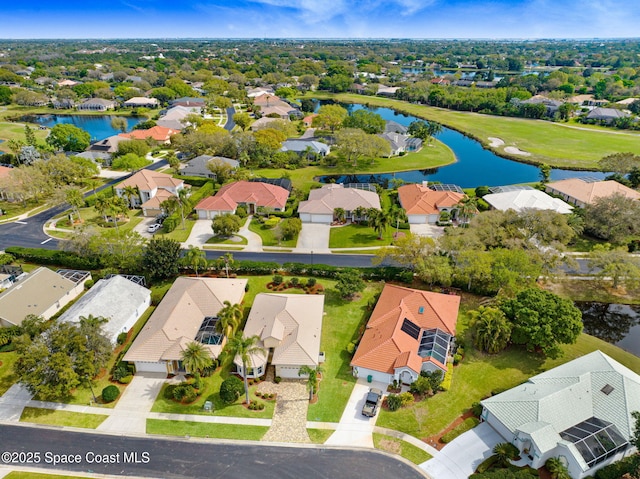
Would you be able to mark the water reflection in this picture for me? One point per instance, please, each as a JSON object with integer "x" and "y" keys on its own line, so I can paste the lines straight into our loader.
{"x": 618, "y": 324}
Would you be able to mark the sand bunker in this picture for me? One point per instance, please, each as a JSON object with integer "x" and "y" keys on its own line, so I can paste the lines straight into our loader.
{"x": 495, "y": 142}
{"x": 516, "y": 151}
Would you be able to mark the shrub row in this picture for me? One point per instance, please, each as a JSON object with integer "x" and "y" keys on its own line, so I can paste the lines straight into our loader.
{"x": 7, "y": 334}
{"x": 194, "y": 180}
{"x": 53, "y": 257}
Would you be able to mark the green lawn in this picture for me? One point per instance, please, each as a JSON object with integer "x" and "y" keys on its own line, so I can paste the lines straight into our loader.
{"x": 178, "y": 234}
{"x": 268, "y": 235}
{"x": 319, "y": 436}
{"x": 61, "y": 418}
{"x": 340, "y": 326}
{"x": 15, "y": 131}
{"x": 7, "y": 376}
{"x": 433, "y": 156}
{"x": 557, "y": 144}
{"x": 400, "y": 447}
{"x": 36, "y": 475}
{"x": 234, "y": 240}
{"x": 356, "y": 236}
{"x": 478, "y": 374}
{"x": 203, "y": 429}
{"x": 90, "y": 217}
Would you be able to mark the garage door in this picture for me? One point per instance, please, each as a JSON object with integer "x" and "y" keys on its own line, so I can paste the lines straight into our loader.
{"x": 287, "y": 371}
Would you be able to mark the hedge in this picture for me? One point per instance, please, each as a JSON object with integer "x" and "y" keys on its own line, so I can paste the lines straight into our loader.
{"x": 54, "y": 257}
{"x": 194, "y": 180}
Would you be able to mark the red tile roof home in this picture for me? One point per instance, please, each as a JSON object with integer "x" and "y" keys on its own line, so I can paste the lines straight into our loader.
{"x": 385, "y": 346}
{"x": 157, "y": 133}
{"x": 245, "y": 192}
{"x": 421, "y": 200}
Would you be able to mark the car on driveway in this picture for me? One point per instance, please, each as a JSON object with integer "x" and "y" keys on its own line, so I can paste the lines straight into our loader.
{"x": 154, "y": 227}
{"x": 372, "y": 402}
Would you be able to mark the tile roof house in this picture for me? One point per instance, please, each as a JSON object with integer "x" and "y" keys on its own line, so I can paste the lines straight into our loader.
{"x": 97, "y": 104}
{"x": 174, "y": 117}
{"x": 132, "y": 301}
{"x": 141, "y": 102}
{"x": 401, "y": 143}
{"x": 551, "y": 105}
{"x": 579, "y": 192}
{"x": 198, "y": 166}
{"x": 323, "y": 201}
{"x": 43, "y": 293}
{"x": 302, "y": 147}
{"x": 252, "y": 195}
{"x": 263, "y": 123}
{"x": 157, "y": 133}
{"x": 424, "y": 205}
{"x": 606, "y": 115}
{"x": 187, "y": 313}
{"x": 189, "y": 102}
{"x": 108, "y": 145}
{"x": 153, "y": 188}
{"x": 5, "y": 173}
{"x": 409, "y": 331}
{"x": 395, "y": 127}
{"x": 289, "y": 327}
{"x": 579, "y": 411}
{"x": 526, "y": 199}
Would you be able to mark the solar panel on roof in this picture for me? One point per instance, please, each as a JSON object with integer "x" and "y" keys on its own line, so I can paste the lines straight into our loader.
{"x": 445, "y": 187}
{"x": 410, "y": 328}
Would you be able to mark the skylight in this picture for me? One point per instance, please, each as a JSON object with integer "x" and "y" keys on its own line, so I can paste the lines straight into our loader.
{"x": 607, "y": 389}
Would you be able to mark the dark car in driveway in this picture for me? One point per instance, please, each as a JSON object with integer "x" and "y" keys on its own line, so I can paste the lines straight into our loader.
{"x": 372, "y": 402}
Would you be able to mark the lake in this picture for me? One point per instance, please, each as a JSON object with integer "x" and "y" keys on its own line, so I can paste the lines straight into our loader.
{"x": 475, "y": 166}
{"x": 617, "y": 324}
{"x": 98, "y": 126}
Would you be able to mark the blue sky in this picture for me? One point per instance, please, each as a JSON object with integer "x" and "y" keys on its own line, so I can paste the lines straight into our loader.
{"x": 320, "y": 19}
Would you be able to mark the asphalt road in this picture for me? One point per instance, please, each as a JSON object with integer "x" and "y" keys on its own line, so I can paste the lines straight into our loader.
{"x": 188, "y": 459}
{"x": 230, "y": 123}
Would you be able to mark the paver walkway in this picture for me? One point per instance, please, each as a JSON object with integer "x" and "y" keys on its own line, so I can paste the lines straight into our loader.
{"x": 129, "y": 415}
{"x": 289, "y": 423}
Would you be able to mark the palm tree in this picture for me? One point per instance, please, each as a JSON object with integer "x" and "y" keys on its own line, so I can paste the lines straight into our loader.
{"x": 312, "y": 381}
{"x": 360, "y": 212}
{"x": 131, "y": 194}
{"x": 102, "y": 206}
{"x": 433, "y": 129}
{"x": 378, "y": 220}
{"x": 504, "y": 451}
{"x": 229, "y": 318}
{"x": 556, "y": 468}
{"x": 183, "y": 195}
{"x": 467, "y": 207}
{"x": 491, "y": 329}
{"x": 245, "y": 347}
{"x": 339, "y": 214}
{"x": 117, "y": 206}
{"x": 195, "y": 259}
{"x": 196, "y": 358}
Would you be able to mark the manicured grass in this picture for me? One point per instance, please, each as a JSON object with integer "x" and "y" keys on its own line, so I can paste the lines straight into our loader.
{"x": 211, "y": 392}
{"x": 7, "y": 376}
{"x": 203, "y": 429}
{"x": 226, "y": 240}
{"x": 478, "y": 374}
{"x": 90, "y": 217}
{"x": 36, "y": 475}
{"x": 319, "y": 436}
{"x": 355, "y": 251}
{"x": 342, "y": 321}
{"x": 61, "y": 418}
{"x": 358, "y": 235}
{"x": 433, "y": 156}
{"x": 400, "y": 447}
{"x": 268, "y": 235}
{"x": 178, "y": 234}
{"x": 223, "y": 247}
{"x": 15, "y": 131}
{"x": 10, "y": 209}
{"x": 553, "y": 143}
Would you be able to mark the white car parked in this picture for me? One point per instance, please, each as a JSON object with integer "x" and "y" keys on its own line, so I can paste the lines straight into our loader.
{"x": 154, "y": 227}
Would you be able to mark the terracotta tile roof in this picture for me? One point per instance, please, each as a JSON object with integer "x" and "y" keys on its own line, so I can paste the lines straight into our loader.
{"x": 420, "y": 200}
{"x": 587, "y": 193}
{"x": 178, "y": 317}
{"x": 384, "y": 346}
{"x": 161, "y": 195}
{"x": 148, "y": 180}
{"x": 4, "y": 171}
{"x": 260, "y": 194}
{"x": 157, "y": 133}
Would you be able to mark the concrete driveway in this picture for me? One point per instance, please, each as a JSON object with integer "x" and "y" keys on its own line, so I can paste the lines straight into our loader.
{"x": 355, "y": 429}
{"x": 313, "y": 237}
{"x": 432, "y": 231}
{"x": 130, "y": 414}
{"x": 460, "y": 458}
{"x": 143, "y": 225}
{"x": 200, "y": 233}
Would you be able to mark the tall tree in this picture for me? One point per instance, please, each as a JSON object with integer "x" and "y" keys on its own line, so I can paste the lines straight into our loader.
{"x": 612, "y": 218}
{"x": 132, "y": 195}
{"x": 195, "y": 258}
{"x": 245, "y": 347}
{"x": 161, "y": 258}
{"x": 74, "y": 197}
{"x": 349, "y": 283}
{"x": 615, "y": 264}
{"x": 491, "y": 329}
{"x": 68, "y": 137}
{"x": 366, "y": 120}
{"x": 330, "y": 117}
{"x": 229, "y": 319}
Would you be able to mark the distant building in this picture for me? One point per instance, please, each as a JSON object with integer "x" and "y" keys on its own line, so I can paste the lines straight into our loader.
{"x": 199, "y": 166}
{"x": 97, "y": 104}
{"x": 579, "y": 192}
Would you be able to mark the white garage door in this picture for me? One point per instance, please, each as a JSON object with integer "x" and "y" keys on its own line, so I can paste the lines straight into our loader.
{"x": 290, "y": 372}
{"x": 146, "y": 367}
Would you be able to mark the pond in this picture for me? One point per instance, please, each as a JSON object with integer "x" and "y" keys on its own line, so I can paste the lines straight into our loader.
{"x": 98, "y": 126}
{"x": 475, "y": 166}
{"x": 617, "y": 324}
